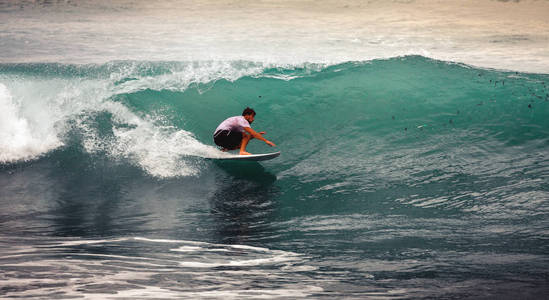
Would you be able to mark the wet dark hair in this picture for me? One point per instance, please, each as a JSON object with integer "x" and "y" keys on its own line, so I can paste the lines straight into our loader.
{"x": 248, "y": 111}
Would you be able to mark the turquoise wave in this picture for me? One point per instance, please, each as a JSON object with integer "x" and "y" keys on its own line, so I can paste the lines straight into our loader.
{"x": 397, "y": 169}
{"x": 361, "y": 112}
{"x": 384, "y": 114}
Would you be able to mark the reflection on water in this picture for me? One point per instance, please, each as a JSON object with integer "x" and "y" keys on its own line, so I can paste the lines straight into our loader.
{"x": 83, "y": 196}
{"x": 243, "y": 204}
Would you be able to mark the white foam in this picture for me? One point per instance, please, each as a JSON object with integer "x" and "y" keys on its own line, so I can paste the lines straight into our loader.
{"x": 237, "y": 263}
{"x": 189, "y": 249}
{"x": 268, "y": 257}
{"x": 159, "y": 150}
{"x": 115, "y": 275}
{"x": 182, "y": 74}
{"x": 250, "y": 248}
{"x": 218, "y": 293}
{"x": 88, "y": 242}
{"x": 36, "y": 112}
{"x": 163, "y": 240}
{"x": 19, "y": 138}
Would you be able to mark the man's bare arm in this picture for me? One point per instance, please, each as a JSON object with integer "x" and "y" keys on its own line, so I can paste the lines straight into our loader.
{"x": 258, "y": 136}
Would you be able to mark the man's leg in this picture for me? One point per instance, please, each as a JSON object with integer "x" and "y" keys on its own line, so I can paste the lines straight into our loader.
{"x": 245, "y": 140}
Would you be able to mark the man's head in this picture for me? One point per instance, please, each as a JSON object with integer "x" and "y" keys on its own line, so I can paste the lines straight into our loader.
{"x": 249, "y": 114}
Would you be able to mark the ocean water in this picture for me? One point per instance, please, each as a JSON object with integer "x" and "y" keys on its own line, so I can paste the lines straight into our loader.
{"x": 404, "y": 173}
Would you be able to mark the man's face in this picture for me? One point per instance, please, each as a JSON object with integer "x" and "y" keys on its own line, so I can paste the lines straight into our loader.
{"x": 249, "y": 118}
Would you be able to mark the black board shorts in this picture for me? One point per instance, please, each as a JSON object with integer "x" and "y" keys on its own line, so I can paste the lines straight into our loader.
{"x": 228, "y": 139}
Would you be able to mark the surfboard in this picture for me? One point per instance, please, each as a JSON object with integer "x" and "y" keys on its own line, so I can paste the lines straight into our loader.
{"x": 251, "y": 157}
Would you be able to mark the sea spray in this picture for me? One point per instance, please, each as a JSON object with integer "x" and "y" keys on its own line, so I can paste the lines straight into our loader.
{"x": 19, "y": 138}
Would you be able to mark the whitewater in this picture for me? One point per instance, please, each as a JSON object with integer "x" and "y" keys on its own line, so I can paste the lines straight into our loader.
{"x": 414, "y": 139}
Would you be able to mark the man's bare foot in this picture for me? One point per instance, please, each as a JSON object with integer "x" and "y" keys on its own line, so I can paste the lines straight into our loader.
{"x": 245, "y": 153}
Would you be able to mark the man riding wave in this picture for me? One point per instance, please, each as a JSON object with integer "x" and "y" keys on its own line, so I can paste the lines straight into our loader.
{"x": 236, "y": 132}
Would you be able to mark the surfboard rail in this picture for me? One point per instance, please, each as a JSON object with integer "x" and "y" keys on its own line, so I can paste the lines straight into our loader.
{"x": 251, "y": 157}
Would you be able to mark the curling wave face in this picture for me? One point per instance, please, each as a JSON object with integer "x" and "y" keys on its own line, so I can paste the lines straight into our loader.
{"x": 159, "y": 116}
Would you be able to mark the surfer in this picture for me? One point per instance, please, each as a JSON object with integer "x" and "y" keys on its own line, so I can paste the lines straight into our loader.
{"x": 236, "y": 132}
